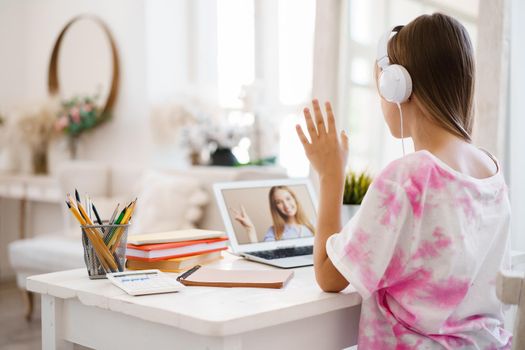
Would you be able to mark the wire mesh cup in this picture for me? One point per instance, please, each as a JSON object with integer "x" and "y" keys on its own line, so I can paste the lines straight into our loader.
{"x": 104, "y": 248}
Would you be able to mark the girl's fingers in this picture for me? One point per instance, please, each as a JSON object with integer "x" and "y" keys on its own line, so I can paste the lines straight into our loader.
{"x": 344, "y": 140}
{"x": 330, "y": 117}
{"x": 301, "y": 135}
{"x": 319, "y": 121}
{"x": 310, "y": 124}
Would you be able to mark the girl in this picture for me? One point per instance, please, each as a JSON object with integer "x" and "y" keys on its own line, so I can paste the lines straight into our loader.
{"x": 425, "y": 247}
{"x": 288, "y": 217}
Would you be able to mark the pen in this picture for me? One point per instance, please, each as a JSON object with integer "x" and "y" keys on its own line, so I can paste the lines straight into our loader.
{"x": 96, "y": 213}
{"x": 189, "y": 272}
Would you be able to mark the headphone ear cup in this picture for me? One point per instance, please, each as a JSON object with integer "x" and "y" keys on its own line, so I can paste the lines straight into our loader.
{"x": 395, "y": 84}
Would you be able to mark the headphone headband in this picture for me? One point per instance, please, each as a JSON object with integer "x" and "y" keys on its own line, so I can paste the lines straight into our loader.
{"x": 382, "y": 47}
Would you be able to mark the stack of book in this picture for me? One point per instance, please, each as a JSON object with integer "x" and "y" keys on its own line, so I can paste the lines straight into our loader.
{"x": 174, "y": 251}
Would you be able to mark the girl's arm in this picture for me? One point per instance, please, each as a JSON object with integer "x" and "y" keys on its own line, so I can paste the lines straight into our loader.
{"x": 327, "y": 154}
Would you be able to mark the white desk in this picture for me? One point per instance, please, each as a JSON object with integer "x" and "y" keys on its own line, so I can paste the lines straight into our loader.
{"x": 96, "y": 314}
{"x": 28, "y": 188}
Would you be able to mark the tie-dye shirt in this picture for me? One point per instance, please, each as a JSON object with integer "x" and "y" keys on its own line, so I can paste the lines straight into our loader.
{"x": 423, "y": 251}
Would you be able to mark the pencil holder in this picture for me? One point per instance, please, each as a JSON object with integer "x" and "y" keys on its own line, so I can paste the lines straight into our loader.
{"x": 104, "y": 248}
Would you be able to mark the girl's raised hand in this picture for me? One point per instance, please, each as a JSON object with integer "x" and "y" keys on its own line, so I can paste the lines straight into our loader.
{"x": 326, "y": 151}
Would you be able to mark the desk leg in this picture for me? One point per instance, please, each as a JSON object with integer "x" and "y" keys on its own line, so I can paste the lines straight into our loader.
{"x": 22, "y": 233}
{"x": 52, "y": 324}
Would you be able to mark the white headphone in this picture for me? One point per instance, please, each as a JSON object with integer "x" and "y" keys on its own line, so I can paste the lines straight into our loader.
{"x": 395, "y": 83}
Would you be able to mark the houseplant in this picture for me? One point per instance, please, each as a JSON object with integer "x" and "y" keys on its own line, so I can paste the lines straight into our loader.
{"x": 355, "y": 188}
{"x": 78, "y": 115}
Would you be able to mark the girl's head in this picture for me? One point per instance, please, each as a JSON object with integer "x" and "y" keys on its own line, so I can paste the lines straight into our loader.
{"x": 437, "y": 52}
{"x": 284, "y": 207}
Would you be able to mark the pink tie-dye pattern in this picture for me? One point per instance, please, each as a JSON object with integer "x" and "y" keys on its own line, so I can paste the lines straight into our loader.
{"x": 446, "y": 293}
{"x": 442, "y": 241}
{"x": 432, "y": 249}
{"x": 468, "y": 208}
{"x": 357, "y": 253}
{"x": 392, "y": 208}
{"x": 355, "y": 249}
{"x": 395, "y": 269}
{"x": 401, "y": 286}
{"x": 374, "y": 333}
{"x": 426, "y": 175}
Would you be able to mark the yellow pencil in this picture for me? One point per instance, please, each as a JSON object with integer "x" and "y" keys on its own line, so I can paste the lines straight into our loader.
{"x": 96, "y": 237}
{"x": 96, "y": 247}
{"x": 113, "y": 244}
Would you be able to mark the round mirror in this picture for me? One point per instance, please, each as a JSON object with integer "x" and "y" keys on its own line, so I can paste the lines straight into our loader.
{"x": 84, "y": 62}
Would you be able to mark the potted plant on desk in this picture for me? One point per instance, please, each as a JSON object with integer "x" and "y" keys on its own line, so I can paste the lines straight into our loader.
{"x": 356, "y": 186}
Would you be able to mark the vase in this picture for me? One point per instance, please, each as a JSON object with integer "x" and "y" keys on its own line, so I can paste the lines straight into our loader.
{"x": 195, "y": 158}
{"x": 72, "y": 143}
{"x": 39, "y": 160}
{"x": 223, "y": 157}
{"x": 348, "y": 211}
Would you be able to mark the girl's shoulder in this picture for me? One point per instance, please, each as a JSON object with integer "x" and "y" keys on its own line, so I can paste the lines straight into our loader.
{"x": 422, "y": 170}
{"x": 417, "y": 164}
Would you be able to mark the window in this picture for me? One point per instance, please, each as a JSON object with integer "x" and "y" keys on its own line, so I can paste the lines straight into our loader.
{"x": 235, "y": 51}
{"x": 266, "y": 48}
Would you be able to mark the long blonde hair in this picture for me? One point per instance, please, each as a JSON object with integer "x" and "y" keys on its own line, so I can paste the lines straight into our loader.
{"x": 278, "y": 218}
{"x": 437, "y": 52}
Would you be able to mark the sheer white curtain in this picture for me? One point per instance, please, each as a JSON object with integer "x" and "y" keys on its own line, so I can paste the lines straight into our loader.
{"x": 516, "y": 126}
{"x": 492, "y": 63}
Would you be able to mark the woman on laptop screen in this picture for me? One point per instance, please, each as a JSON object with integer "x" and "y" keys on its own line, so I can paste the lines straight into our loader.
{"x": 288, "y": 217}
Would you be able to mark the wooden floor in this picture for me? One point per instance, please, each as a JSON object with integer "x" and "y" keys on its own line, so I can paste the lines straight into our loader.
{"x": 15, "y": 332}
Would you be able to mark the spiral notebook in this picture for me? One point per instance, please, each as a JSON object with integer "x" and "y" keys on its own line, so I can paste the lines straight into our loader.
{"x": 210, "y": 277}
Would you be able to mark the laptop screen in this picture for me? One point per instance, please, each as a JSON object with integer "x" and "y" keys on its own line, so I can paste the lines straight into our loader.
{"x": 269, "y": 211}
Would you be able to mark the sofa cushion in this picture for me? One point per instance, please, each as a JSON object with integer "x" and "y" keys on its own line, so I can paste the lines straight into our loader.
{"x": 167, "y": 202}
{"x": 46, "y": 254}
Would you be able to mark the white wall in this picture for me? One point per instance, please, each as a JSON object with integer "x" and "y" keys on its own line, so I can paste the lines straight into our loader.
{"x": 28, "y": 31}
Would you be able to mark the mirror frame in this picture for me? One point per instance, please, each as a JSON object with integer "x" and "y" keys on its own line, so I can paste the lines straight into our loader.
{"x": 53, "y": 82}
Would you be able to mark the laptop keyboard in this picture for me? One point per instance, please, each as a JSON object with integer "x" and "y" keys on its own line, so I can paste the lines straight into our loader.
{"x": 283, "y": 252}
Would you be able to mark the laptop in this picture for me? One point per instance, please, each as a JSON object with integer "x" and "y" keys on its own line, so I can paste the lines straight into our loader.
{"x": 270, "y": 221}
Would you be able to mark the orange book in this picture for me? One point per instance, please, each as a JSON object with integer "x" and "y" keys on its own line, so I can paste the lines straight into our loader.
{"x": 162, "y": 251}
{"x": 174, "y": 265}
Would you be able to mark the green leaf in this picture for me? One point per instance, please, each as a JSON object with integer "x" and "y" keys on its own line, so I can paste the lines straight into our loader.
{"x": 355, "y": 187}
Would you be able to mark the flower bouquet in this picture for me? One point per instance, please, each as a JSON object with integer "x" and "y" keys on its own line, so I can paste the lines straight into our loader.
{"x": 78, "y": 115}
{"x": 216, "y": 138}
{"x": 36, "y": 129}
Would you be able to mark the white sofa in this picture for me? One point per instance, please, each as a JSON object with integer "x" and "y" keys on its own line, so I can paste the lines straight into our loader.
{"x": 191, "y": 202}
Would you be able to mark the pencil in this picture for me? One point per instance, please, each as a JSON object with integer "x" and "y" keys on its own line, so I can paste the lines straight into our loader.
{"x": 111, "y": 222}
{"x": 125, "y": 220}
{"x": 95, "y": 245}
{"x": 96, "y": 236}
{"x": 108, "y": 237}
{"x": 121, "y": 221}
